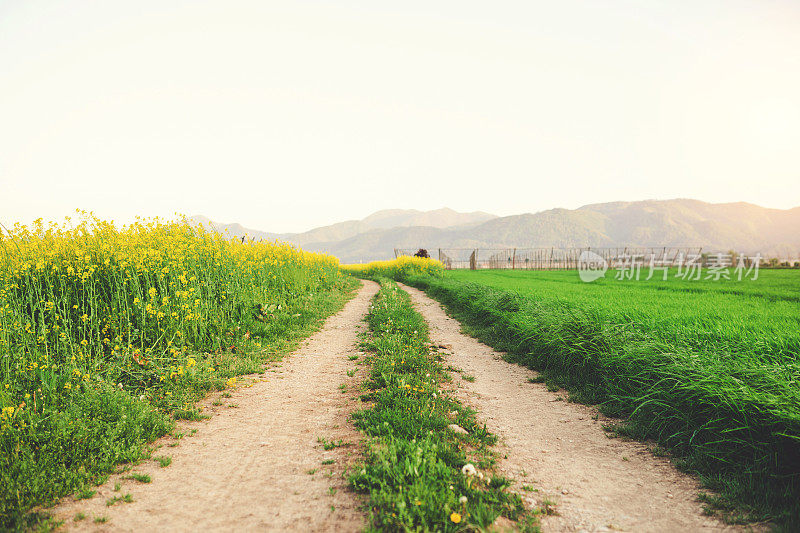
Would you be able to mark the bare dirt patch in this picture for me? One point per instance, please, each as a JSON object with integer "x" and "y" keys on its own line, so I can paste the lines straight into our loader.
{"x": 259, "y": 463}
{"x": 560, "y": 451}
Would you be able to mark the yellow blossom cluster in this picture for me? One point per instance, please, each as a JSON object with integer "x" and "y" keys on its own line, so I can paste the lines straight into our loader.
{"x": 84, "y": 296}
{"x": 397, "y": 268}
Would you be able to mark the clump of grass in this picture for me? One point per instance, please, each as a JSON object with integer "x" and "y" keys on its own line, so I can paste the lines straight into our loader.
{"x": 548, "y": 507}
{"x": 126, "y": 498}
{"x": 413, "y": 467}
{"x": 141, "y": 478}
{"x": 163, "y": 460}
{"x": 330, "y": 444}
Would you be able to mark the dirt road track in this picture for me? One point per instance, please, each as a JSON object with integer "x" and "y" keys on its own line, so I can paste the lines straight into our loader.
{"x": 247, "y": 467}
{"x": 560, "y": 448}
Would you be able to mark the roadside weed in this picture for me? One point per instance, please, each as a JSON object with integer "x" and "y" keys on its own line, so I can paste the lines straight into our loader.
{"x": 141, "y": 478}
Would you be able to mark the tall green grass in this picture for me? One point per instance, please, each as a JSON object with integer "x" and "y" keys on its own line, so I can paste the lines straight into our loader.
{"x": 709, "y": 371}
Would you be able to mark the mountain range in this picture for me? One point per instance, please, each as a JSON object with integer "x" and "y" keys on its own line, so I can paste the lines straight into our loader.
{"x": 739, "y": 226}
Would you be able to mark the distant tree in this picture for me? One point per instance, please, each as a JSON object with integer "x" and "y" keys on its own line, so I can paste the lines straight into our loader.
{"x": 422, "y": 252}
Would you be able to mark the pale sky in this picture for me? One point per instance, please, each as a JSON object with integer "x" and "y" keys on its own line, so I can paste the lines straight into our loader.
{"x": 289, "y": 115}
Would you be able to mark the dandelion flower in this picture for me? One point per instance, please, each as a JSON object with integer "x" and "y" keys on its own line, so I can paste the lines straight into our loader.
{"x": 455, "y": 518}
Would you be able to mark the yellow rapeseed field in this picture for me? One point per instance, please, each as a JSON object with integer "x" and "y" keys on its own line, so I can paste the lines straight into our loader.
{"x": 104, "y": 330}
{"x": 397, "y": 268}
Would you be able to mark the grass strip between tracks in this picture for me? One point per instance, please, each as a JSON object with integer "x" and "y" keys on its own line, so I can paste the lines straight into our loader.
{"x": 419, "y": 473}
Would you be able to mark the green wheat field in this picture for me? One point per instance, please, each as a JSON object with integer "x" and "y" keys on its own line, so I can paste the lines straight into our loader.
{"x": 709, "y": 368}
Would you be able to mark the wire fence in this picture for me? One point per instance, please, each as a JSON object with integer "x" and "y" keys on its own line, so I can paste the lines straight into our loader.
{"x": 570, "y": 258}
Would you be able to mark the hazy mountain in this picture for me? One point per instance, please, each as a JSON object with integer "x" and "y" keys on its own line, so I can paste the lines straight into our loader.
{"x": 389, "y": 218}
{"x": 716, "y": 227}
{"x": 234, "y": 229}
{"x": 438, "y": 218}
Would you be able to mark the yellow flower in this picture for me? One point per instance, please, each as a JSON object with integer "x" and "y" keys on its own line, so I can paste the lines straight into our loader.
{"x": 455, "y": 518}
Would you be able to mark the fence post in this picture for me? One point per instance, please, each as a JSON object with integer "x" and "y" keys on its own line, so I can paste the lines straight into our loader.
{"x": 514, "y": 260}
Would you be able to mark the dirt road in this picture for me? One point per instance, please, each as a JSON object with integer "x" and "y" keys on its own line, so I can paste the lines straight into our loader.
{"x": 256, "y": 464}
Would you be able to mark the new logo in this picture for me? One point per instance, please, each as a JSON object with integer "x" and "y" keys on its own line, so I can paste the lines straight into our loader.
{"x": 591, "y": 266}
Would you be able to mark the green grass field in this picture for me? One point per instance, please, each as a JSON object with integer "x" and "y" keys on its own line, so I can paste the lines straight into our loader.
{"x": 758, "y": 321}
{"x": 708, "y": 368}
